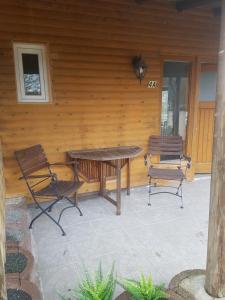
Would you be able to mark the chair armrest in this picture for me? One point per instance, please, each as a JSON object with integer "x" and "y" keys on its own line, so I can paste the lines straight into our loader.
{"x": 147, "y": 160}
{"x": 36, "y": 176}
{"x": 66, "y": 163}
{"x": 73, "y": 164}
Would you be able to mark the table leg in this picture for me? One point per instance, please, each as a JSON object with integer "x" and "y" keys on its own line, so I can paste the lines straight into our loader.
{"x": 102, "y": 179}
{"x": 128, "y": 176}
{"x": 118, "y": 187}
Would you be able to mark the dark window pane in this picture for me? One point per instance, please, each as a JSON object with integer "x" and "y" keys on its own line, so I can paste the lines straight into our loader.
{"x": 175, "y": 98}
{"x": 208, "y": 86}
{"x": 174, "y": 112}
{"x": 32, "y": 82}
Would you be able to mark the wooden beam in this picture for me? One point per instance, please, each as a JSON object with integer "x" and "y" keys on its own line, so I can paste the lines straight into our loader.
{"x": 215, "y": 270}
{"x": 188, "y": 4}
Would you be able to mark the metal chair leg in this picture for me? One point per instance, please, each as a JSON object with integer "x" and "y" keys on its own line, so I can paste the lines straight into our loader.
{"x": 178, "y": 193}
{"x": 149, "y": 192}
{"x": 75, "y": 199}
{"x": 76, "y": 204}
{"x": 181, "y": 197}
{"x": 51, "y": 206}
{"x": 179, "y": 189}
{"x": 77, "y": 207}
{"x": 62, "y": 211}
{"x": 44, "y": 211}
{"x": 73, "y": 204}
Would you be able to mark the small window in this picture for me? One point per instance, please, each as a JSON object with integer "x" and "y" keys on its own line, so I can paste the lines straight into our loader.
{"x": 207, "y": 82}
{"x": 31, "y": 73}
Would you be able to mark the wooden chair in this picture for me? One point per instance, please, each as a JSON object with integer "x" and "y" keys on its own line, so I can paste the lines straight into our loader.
{"x": 33, "y": 162}
{"x": 171, "y": 147}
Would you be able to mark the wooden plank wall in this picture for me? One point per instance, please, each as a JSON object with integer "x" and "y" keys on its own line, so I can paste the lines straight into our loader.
{"x": 97, "y": 101}
{"x": 206, "y": 113}
{"x": 2, "y": 230}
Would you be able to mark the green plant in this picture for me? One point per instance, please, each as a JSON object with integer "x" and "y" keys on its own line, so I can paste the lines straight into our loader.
{"x": 99, "y": 287}
{"x": 144, "y": 289}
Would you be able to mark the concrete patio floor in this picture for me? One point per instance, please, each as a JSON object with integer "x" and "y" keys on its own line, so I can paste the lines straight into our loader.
{"x": 162, "y": 240}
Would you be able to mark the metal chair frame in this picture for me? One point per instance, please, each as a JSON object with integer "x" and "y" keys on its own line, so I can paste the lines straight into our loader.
{"x": 158, "y": 146}
{"x": 38, "y": 152}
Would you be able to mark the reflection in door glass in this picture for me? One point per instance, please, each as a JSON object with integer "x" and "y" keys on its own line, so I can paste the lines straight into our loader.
{"x": 31, "y": 74}
{"x": 207, "y": 84}
{"x": 174, "y": 111}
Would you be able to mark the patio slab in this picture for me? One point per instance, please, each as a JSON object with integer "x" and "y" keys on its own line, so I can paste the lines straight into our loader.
{"x": 162, "y": 239}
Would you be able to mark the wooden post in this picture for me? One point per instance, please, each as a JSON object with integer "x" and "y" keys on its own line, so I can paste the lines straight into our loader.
{"x": 215, "y": 270}
{"x": 102, "y": 179}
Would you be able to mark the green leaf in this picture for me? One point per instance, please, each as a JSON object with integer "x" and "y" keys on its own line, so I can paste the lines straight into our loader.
{"x": 143, "y": 289}
{"x": 99, "y": 287}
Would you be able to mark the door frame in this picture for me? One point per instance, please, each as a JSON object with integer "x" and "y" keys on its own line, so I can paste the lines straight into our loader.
{"x": 191, "y": 129}
{"x": 201, "y": 60}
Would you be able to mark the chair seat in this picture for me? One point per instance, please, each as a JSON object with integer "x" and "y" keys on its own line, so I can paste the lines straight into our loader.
{"x": 167, "y": 174}
{"x": 59, "y": 188}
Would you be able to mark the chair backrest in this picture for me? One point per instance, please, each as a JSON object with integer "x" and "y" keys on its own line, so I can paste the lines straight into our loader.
{"x": 165, "y": 145}
{"x": 31, "y": 159}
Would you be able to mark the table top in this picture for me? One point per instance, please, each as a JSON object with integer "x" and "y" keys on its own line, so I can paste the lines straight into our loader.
{"x": 104, "y": 154}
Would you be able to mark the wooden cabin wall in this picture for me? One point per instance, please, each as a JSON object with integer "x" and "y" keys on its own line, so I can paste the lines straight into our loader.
{"x": 2, "y": 230}
{"x": 96, "y": 99}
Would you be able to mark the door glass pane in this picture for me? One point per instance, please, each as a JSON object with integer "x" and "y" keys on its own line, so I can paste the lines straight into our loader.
{"x": 31, "y": 74}
{"x": 208, "y": 77}
{"x": 175, "y": 98}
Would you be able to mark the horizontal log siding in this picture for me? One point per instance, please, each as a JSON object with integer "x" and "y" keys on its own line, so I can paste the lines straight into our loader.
{"x": 2, "y": 229}
{"x": 97, "y": 101}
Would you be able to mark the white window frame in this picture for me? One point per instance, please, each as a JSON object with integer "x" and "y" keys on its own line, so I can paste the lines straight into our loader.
{"x": 40, "y": 50}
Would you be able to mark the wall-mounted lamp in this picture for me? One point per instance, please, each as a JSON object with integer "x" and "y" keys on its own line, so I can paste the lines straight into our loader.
{"x": 139, "y": 67}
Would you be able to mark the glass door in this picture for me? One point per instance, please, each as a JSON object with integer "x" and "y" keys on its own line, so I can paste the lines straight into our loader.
{"x": 206, "y": 111}
{"x": 175, "y": 92}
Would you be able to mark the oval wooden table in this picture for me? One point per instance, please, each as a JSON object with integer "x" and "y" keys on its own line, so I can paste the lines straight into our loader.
{"x": 103, "y": 160}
